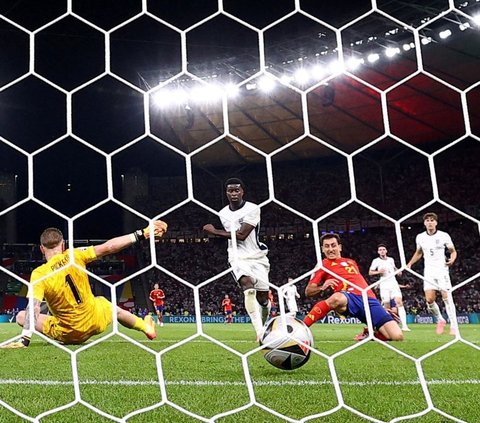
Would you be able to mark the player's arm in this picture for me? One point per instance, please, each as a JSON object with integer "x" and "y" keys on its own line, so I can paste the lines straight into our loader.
{"x": 453, "y": 255}
{"x": 416, "y": 256}
{"x": 119, "y": 243}
{"x": 241, "y": 233}
{"x": 27, "y": 330}
{"x": 374, "y": 270}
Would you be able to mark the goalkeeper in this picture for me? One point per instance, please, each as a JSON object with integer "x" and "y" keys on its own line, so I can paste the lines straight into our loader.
{"x": 75, "y": 313}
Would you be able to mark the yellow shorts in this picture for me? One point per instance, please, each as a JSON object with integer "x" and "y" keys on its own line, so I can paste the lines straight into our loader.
{"x": 80, "y": 328}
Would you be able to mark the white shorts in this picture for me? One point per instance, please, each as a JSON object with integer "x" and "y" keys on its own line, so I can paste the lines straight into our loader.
{"x": 292, "y": 306}
{"x": 438, "y": 280}
{"x": 257, "y": 269}
{"x": 389, "y": 293}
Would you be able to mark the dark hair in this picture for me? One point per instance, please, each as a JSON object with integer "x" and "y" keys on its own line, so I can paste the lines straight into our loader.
{"x": 434, "y": 216}
{"x": 51, "y": 237}
{"x": 328, "y": 236}
{"x": 234, "y": 181}
{"x": 381, "y": 245}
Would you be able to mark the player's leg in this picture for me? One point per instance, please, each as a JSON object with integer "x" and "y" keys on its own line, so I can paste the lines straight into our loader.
{"x": 39, "y": 324}
{"x": 387, "y": 329}
{"x": 432, "y": 306}
{"x": 265, "y": 305}
{"x": 402, "y": 314}
{"x": 129, "y": 320}
{"x": 251, "y": 304}
{"x": 451, "y": 312}
{"x": 337, "y": 301}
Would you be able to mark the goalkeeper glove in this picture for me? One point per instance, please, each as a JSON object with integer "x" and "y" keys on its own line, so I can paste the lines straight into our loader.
{"x": 159, "y": 228}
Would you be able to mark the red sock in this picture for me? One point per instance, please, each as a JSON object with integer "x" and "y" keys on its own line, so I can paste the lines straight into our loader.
{"x": 378, "y": 335}
{"x": 318, "y": 311}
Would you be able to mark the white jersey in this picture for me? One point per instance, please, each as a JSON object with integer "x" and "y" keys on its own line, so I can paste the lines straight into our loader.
{"x": 291, "y": 293}
{"x": 251, "y": 247}
{"x": 387, "y": 266}
{"x": 433, "y": 249}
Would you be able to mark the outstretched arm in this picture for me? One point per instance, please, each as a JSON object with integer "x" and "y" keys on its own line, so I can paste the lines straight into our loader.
{"x": 119, "y": 243}
{"x": 241, "y": 234}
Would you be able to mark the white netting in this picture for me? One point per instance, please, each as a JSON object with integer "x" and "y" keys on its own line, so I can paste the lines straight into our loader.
{"x": 265, "y": 71}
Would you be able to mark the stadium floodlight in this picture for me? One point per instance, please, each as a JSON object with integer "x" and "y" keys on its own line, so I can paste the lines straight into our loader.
{"x": 251, "y": 86}
{"x": 168, "y": 97}
{"x": 373, "y": 57}
{"x": 318, "y": 72}
{"x": 354, "y": 63}
{"x": 406, "y": 47}
{"x": 464, "y": 26}
{"x": 336, "y": 67}
{"x": 231, "y": 90}
{"x": 266, "y": 84}
{"x": 476, "y": 19}
{"x": 206, "y": 94}
{"x": 426, "y": 40}
{"x": 445, "y": 34}
{"x": 391, "y": 51}
{"x": 286, "y": 79}
{"x": 302, "y": 76}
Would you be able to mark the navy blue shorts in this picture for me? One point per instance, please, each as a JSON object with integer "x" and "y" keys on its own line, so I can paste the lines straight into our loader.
{"x": 160, "y": 308}
{"x": 356, "y": 308}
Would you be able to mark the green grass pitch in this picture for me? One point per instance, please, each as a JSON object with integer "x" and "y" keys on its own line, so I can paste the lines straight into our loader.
{"x": 117, "y": 377}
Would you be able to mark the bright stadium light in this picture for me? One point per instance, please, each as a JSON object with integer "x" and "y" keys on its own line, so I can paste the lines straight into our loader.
{"x": 391, "y": 51}
{"x": 445, "y": 34}
{"x": 335, "y": 67}
{"x": 231, "y": 90}
{"x": 302, "y": 76}
{"x": 354, "y": 63}
{"x": 286, "y": 79}
{"x": 426, "y": 40}
{"x": 266, "y": 84}
{"x": 476, "y": 19}
{"x": 318, "y": 72}
{"x": 168, "y": 97}
{"x": 373, "y": 57}
{"x": 464, "y": 26}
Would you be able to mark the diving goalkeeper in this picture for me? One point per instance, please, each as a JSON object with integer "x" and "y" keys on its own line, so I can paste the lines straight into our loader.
{"x": 75, "y": 313}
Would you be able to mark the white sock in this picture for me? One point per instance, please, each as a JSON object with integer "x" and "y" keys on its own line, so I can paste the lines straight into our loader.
{"x": 266, "y": 311}
{"x": 403, "y": 316}
{"x": 253, "y": 309}
{"x": 452, "y": 315}
{"x": 433, "y": 309}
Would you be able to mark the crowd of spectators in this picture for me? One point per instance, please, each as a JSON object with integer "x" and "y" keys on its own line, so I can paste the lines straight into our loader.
{"x": 393, "y": 183}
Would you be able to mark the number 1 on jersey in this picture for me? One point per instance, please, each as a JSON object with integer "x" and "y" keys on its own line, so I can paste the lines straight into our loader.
{"x": 74, "y": 289}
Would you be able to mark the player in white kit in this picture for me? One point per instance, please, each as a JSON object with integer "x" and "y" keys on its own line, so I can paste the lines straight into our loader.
{"x": 431, "y": 244}
{"x": 249, "y": 261}
{"x": 291, "y": 294}
{"x": 384, "y": 266}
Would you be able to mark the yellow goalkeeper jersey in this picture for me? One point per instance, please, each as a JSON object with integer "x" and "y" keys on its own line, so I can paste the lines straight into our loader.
{"x": 67, "y": 292}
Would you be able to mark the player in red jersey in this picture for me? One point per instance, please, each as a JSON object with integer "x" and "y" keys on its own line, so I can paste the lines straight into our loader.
{"x": 343, "y": 276}
{"x": 157, "y": 297}
{"x": 227, "y": 306}
{"x": 274, "y": 306}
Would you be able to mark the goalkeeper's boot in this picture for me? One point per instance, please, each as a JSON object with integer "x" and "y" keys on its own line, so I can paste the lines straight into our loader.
{"x": 150, "y": 331}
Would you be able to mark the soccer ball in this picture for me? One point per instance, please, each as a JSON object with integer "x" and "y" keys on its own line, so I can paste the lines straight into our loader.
{"x": 285, "y": 339}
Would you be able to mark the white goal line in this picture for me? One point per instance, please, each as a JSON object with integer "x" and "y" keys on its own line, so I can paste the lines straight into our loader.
{"x": 238, "y": 383}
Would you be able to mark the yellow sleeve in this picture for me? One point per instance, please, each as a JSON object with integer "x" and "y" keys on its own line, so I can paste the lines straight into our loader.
{"x": 85, "y": 255}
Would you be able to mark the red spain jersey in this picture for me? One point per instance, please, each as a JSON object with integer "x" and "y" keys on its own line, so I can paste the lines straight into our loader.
{"x": 227, "y": 304}
{"x": 272, "y": 300}
{"x": 345, "y": 268}
{"x": 158, "y": 296}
